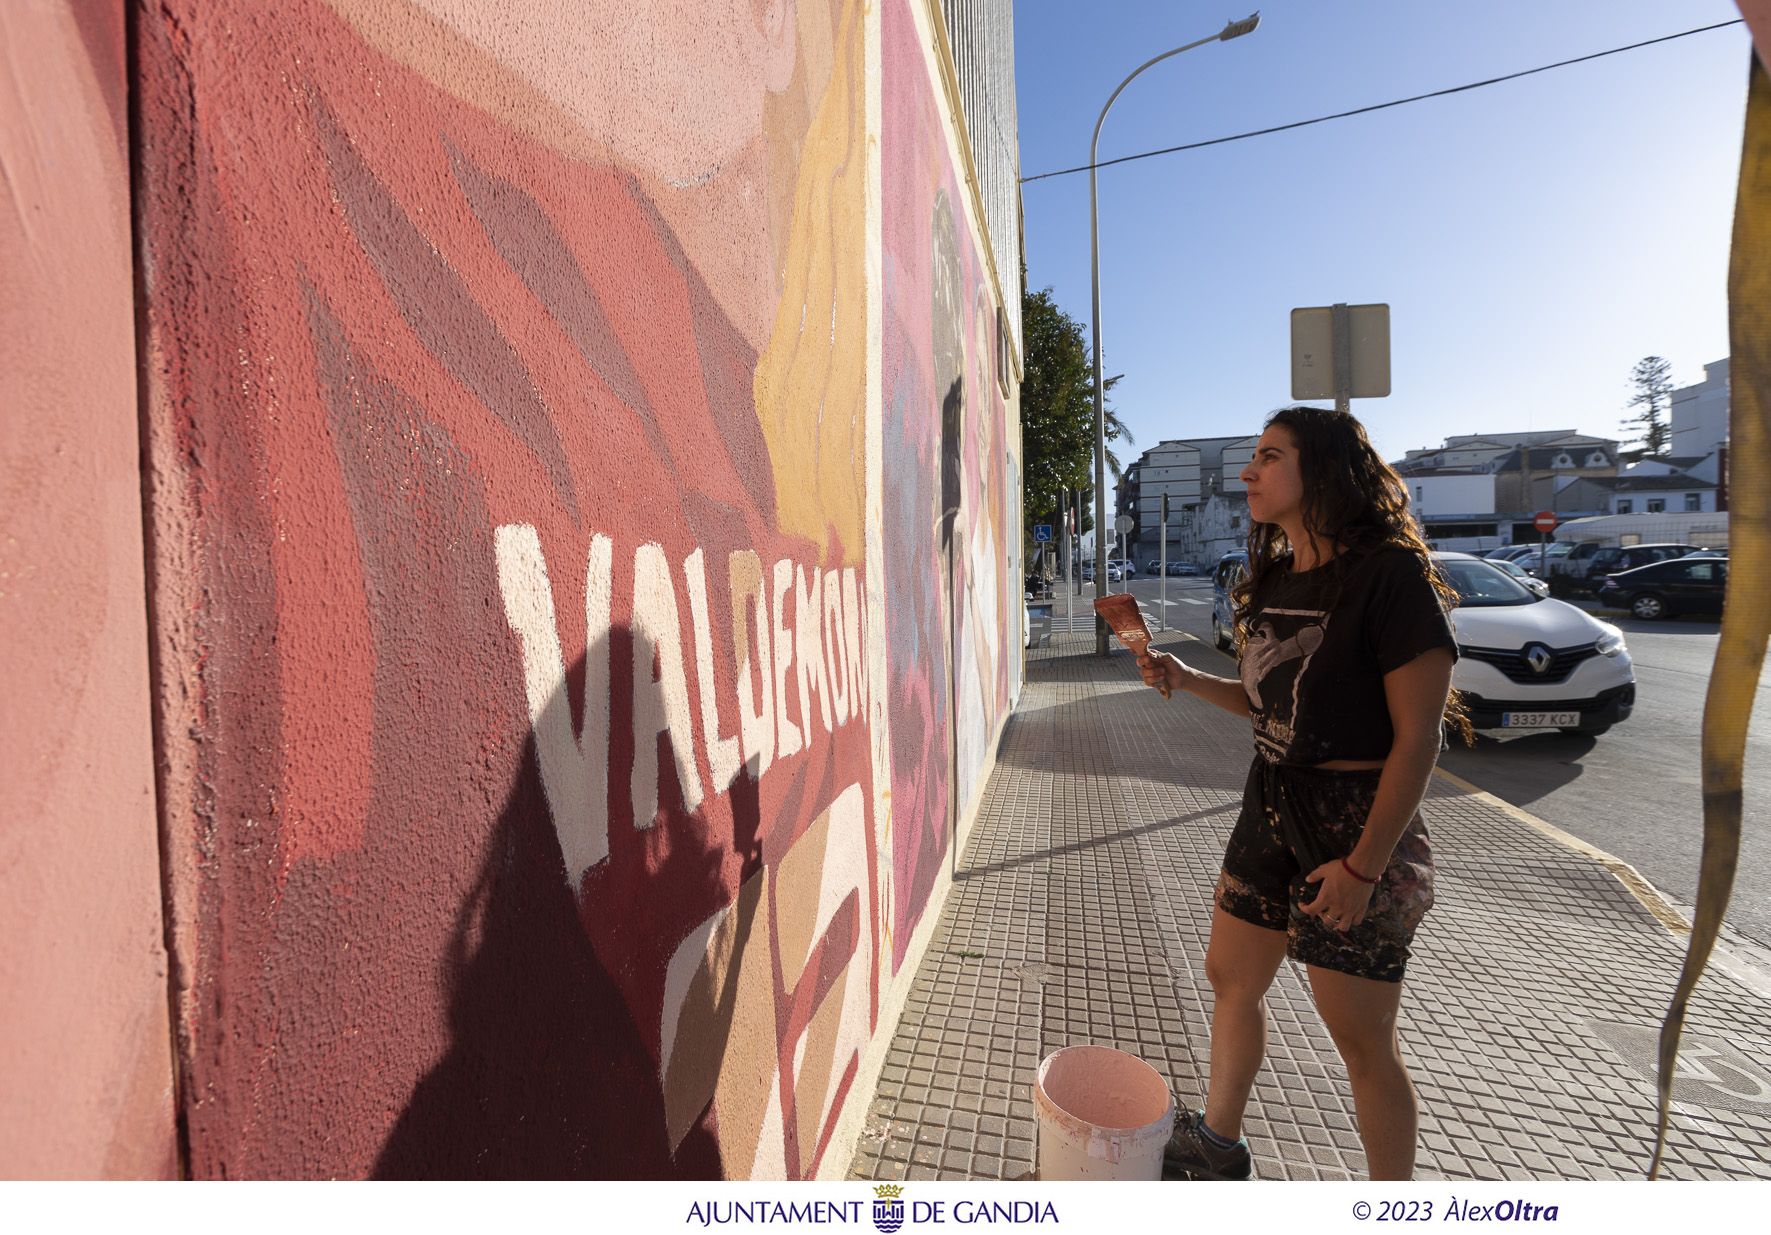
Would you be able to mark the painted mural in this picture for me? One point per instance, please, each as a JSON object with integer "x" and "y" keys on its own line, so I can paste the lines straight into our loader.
{"x": 569, "y": 683}
{"x": 952, "y": 569}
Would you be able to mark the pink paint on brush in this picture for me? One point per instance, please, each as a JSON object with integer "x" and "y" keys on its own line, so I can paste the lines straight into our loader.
{"x": 1127, "y": 620}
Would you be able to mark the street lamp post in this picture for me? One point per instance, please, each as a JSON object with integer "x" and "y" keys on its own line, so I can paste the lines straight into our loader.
{"x": 1235, "y": 29}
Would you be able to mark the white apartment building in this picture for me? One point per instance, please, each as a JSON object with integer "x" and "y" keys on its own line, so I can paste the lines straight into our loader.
{"x": 1700, "y": 414}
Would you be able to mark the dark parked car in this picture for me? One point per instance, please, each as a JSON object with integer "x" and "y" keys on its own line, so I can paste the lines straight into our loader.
{"x": 1591, "y": 562}
{"x": 1662, "y": 589}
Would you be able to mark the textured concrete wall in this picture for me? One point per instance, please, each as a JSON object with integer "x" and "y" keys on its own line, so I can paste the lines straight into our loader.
{"x": 85, "y": 1053}
{"x": 541, "y": 693}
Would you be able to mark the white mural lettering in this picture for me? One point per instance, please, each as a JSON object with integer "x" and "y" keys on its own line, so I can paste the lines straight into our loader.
{"x": 750, "y": 629}
{"x": 808, "y": 614}
{"x": 574, "y": 767}
{"x": 722, "y": 751}
{"x": 661, "y": 702}
{"x": 787, "y": 740}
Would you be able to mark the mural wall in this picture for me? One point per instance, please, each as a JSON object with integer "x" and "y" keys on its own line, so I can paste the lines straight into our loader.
{"x": 572, "y": 658}
{"x": 951, "y": 450}
{"x": 85, "y": 1054}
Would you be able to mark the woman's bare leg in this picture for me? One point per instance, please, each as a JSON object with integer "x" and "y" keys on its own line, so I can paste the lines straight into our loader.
{"x": 1361, "y": 1017}
{"x": 1239, "y": 964}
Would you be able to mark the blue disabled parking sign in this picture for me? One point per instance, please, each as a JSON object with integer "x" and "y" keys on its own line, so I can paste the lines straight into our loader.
{"x": 1042, "y": 532}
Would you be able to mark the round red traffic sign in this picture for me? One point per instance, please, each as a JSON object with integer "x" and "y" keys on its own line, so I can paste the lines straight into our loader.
{"x": 1545, "y": 521}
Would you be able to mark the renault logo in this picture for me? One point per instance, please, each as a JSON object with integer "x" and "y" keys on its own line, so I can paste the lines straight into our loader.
{"x": 1539, "y": 658}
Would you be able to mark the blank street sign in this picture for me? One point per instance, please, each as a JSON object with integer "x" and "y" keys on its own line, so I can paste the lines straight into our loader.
{"x": 1312, "y": 352}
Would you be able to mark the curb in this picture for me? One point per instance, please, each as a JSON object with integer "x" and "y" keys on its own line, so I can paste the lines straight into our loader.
{"x": 1651, "y": 898}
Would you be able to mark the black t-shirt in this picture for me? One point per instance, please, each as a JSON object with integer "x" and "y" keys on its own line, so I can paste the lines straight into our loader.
{"x": 1318, "y": 647}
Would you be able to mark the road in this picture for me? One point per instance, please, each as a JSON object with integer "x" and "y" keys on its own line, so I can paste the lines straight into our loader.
{"x": 1633, "y": 792}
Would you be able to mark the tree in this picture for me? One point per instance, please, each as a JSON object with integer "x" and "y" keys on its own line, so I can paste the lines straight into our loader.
{"x": 1058, "y": 410}
{"x": 1653, "y": 382}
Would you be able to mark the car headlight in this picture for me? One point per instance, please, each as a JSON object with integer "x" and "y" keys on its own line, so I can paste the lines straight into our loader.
{"x": 1611, "y": 642}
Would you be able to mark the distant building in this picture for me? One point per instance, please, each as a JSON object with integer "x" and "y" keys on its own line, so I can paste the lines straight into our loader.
{"x": 1700, "y": 414}
{"x": 1478, "y": 490}
{"x": 1661, "y": 490}
{"x": 1190, "y": 473}
{"x": 1213, "y": 528}
{"x": 1476, "y": 450}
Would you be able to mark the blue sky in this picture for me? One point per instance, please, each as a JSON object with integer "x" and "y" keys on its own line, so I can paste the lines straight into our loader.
{"x": 1534, "y": 239}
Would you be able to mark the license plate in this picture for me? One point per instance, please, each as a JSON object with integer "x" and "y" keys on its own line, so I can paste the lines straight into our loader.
{"x": 1539, "y": 720}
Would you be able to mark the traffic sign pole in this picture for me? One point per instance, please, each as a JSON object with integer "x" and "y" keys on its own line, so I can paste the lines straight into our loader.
{"x": 1545, "y": 523}
{"x": 1069, "y": 558}
{"x": 1162, "y": 610}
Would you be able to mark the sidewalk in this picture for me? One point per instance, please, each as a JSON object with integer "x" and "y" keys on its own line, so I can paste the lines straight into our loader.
{"x": 1080, "y": 913}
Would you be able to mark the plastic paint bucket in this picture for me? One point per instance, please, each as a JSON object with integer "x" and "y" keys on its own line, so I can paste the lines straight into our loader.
{"x": 1103, "y": 1114}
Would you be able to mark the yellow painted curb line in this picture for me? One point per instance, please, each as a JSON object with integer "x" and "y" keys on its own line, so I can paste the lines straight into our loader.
{"x": 1651, "y": 898}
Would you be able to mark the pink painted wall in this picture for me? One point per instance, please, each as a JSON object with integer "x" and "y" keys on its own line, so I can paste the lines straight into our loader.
{"x": 86, "y": 1077}
{"x": 520, "y": 582}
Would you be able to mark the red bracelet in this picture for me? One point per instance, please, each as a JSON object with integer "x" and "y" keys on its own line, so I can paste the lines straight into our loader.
{"x": 1355, "y": 874}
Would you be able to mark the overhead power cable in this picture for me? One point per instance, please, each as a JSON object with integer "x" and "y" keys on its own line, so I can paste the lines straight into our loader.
{"x": 1360, "y": 111}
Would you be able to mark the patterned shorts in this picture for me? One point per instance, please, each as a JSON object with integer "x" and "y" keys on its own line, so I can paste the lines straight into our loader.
{"x": 1293, "y": 820}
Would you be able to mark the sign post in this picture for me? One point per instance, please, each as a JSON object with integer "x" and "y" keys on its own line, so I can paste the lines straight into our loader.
{"x": 1341, "y": 352}
{"x": 1064, "y": 565}
{"x": 1123, "y": 525}
{"x": 1162, "y": 569}
{"x": 1545, "y": 523}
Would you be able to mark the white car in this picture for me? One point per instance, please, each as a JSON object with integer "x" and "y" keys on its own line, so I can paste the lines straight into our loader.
{"x": 1528, "y": 662}
{"x": 1537, "y": 586}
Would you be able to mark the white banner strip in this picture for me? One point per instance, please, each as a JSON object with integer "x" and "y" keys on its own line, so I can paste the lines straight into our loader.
{"x": 917, "y": 1209}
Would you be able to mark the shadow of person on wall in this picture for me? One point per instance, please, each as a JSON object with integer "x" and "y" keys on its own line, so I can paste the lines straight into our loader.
{"x": 548, "y": 1072}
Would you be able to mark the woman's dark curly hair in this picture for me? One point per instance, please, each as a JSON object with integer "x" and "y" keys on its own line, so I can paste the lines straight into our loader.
{"x": 1353, "y": 500}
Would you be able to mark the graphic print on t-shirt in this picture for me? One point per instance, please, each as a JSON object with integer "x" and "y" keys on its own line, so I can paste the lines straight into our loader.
{"x": 1275, "y": 658}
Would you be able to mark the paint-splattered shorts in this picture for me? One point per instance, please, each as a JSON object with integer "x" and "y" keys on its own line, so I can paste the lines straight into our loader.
{"x": 1295, "y": 819}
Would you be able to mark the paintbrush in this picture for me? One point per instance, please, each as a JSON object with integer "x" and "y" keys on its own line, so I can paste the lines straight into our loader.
{"x": 1121, "y": 613}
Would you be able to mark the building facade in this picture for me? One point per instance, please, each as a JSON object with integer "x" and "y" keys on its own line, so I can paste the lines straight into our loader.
{"x": 1189, "y": 473}
{"x": 1699, "y": 414}
{"x": 1478, "y": 491}
{"x": 559, "y": 680}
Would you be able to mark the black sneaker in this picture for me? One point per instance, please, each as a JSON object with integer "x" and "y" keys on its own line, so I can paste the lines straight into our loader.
{"x": 1189, "y": 1155}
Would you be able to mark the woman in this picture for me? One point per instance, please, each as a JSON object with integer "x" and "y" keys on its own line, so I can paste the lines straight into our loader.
{"x": 1346, "y": 657}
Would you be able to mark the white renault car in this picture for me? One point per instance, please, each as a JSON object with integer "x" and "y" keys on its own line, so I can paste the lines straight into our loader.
{"x": 1529, "y": 662}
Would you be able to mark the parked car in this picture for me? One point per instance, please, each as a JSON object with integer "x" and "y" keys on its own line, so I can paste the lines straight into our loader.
{"x": 1662, "y": 589}
{"x": 1592, "y": 561}
{"x": 1542, "y": 559}
{"x": 1115, "y": 572}
{"x": 1529, "y": 662}
{"x": 1511, "y": 552}
{"x": 1153, "y": 566}
{"x": 1518, "y": 572}
{"x": 1227, "y": 574}
{"x": 1127, "y": 567}
{"x": 1184, "y": 569}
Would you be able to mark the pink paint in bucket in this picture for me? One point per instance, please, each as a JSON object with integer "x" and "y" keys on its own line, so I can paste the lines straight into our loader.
{"x": 1103, "y": 1114}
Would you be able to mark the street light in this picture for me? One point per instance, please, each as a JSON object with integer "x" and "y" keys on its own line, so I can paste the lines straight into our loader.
{"x": 1235, "y": 29}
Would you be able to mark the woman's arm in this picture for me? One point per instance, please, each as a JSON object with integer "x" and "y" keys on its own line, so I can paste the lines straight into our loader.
{"x": 1416, "y": 695}
{"x": 1161, "y": 669}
